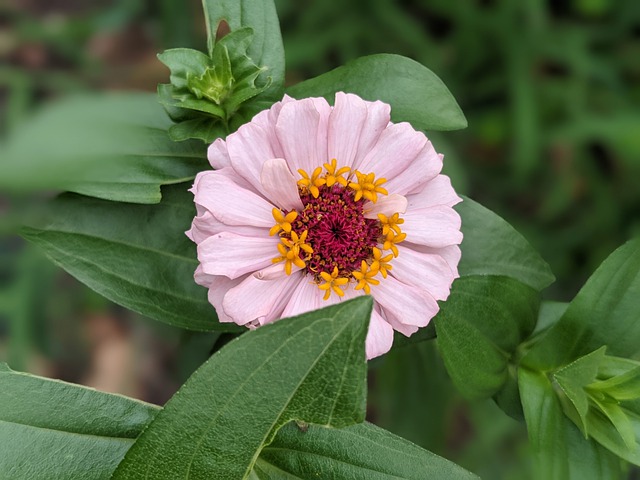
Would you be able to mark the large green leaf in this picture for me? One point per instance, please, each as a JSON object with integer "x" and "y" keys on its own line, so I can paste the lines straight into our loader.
{"x": 310, "y": 368}
{"x": 605, "y": 312}
{"x": 54, "y": 430}
{"x": 111, "y": 146}
{"x": 266, "y": 49}
{"x": 479, "y": 328}
{"x": 359, "y": 452}
{"x": 135, "y": 255}
{"x": 415, "y": 93}
{"x": 560, "y": 450}
{"x": 493, "y": 247}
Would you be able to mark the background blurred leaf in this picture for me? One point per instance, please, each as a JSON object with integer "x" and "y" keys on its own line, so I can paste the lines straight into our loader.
{"x": 605, "y": 312}
{"x": 479, "y": 327}
{"x": 358, "y": 452}
{"x": 493, "y": 247}
{"x": 135, "y": 255}
{"x": 415, "y": 93}
{"x": 51, "y": 429}
{"x": 310, "y": 368}
{"x": 112, "y": 146}
{"x": 560, "y": 450}
{"x": 266, "y": 49}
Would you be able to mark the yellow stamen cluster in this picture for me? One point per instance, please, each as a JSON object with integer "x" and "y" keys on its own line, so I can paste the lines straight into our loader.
{"x": 390, "y": 223}
{"x": 290, "y": 250}
{"x": 294, "y": 249}
{"x": 365, "y": 276}
{"x": 391, "y": 239}
{"x": 312, "y": 182}
{"x": 332, "y": 283}
{"x": 283, "y": 222}
{"x": 335, "y": 174}
{"x": 381, "y": 263}
{"x": 367, "y": 186}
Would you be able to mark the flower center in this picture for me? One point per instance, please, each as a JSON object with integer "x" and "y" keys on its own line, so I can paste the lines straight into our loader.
{"x": 330, "y": 238}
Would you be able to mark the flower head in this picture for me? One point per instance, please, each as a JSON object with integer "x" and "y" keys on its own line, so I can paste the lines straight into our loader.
{"x": 312, "y": 204}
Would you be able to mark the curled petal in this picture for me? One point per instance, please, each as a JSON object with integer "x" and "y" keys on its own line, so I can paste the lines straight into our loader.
{"x": 259, "y": 301}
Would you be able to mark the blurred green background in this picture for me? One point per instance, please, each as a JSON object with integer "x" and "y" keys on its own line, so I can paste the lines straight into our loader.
{"x": 551, "y": 90}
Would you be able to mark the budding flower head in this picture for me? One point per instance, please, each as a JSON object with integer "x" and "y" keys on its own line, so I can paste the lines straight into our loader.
{"x": 207, "y": 91}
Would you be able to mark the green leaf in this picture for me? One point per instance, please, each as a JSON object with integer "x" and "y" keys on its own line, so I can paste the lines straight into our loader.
{"x": 265, "y": 50}
{"x": 112, "y": 146}
{"x": 573, "y": 378}
{"x": 415, "y": 93}
{"x": 310, "y": 368}
{"x": 479, "y": 328}
{"x": 559, "y": 449}
{"x": 135, "y": 255}
{"x": 55, "y": 430}
{"x": 493, "y": 247}
{"x": 605, "y": 312}
{"x": 550, "y": 313}
{"x": 363, "y": 452}
{"x": 201, "y": 127}
{"x": 618, "y": 430}
{"x": 184, "y": 62}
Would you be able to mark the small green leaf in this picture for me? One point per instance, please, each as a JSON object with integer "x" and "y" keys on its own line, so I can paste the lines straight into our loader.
{"x": 54, "y": 430}
{"x": 623, "y": 386}
{"x": 559, "y": 449}
{"x": 184, "y": 62}
{"x": 415, "y": 93}
{"x": 479, "y": 328}
{"x": 493, "y": 247}
{"x": 358, "y": 452}
{"x": 111, "y": 146}
{"x": 135, "y": 255}
{"x": 605, "y": 312}
{"x": 574, "y": 377}
{"x": 310, "y": 368}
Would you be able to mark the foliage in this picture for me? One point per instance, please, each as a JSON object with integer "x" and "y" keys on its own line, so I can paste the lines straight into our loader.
{"x": 289, "y": 400}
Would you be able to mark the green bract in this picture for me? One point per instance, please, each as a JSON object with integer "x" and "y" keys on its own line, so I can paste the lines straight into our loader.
{"x": 206, "y": 93}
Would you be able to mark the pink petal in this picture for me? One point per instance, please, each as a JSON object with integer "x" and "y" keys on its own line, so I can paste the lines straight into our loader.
{"x": 406, "y": 330}
{"x": 345, "y": 124}
{"x": 404, "y": 303}
{"x": 231, "y": 203}
{"x": 233, "y": 255}
{"x": 324, "y": 109}
{"x": 437, "y": 226}
{"x": 450, "y": 253}
{"x": 297, "y": 129}
{"x": 387, "y": 205}
{"x": 259, "y": 301}
{"x": 437, "y": 191}
{"x": 274, "y": 272}
{"x": 268, "y": 118}
{"x": 396, "y": 149}
{"x": 379, "y": 337}
{"x": 280, "y": 185}
{"x": 249, "y": 148}
{"x": 218, "y": 155}
{"x": 206, "y": 225}
{"x": 424, "y": 167}
{"x": 428, "y": 272}
{"x": 306, "y": 297}
{"x": 218, "y": 288}
{"x": 378, "y": 116}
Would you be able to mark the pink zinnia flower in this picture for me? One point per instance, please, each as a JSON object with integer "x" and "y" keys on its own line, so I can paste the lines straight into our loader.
{"x": 312, "y": 204}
